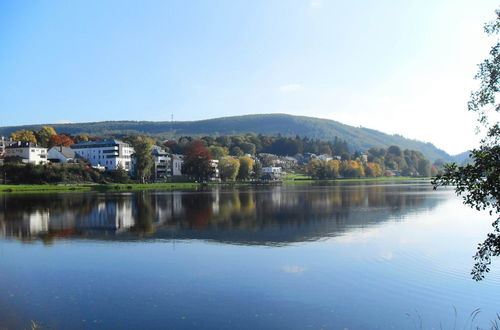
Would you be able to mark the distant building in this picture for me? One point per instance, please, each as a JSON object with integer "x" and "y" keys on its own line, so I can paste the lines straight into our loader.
{"x": 272, "y": 172}
{"x": 61, "y": 154}
{"x": 27, "y": 152}
{"x": 162, "y": 164}
{"x": 214, "y": 163}
{"x": 5, "y": 142}
{"x": 177, "y": 161}
{"x": 324, "y": 157}
{"x": 112, "y": 154}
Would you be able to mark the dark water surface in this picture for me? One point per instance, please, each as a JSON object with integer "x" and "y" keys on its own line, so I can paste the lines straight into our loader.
{"x": 355, "y": 256}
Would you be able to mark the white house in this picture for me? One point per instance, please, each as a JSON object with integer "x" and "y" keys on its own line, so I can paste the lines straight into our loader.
{"x": 325, "y": 157}
{"x": 272, "y": 172}
{"x": 28, "y": 152}
{"x": 177, "y": 165}
{"x": 214, "y": 163}
{"x": 111, "y": 154}
{"x": 61, "y": 154}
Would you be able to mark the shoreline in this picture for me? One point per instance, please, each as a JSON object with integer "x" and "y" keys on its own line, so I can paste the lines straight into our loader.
{"x": 66, "y": 188}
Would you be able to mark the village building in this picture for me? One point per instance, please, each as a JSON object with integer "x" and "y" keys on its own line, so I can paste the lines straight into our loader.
{"x": 110, "y": 154}
{"x": 5, "y": 142}
{"x": 177, "y": 161}
{"x": 214, "y": 163}
{"x": 272, "y": 172}
{"x": 162, "y": 164}
{"x": 26, "y": 152}
{"x": 60, "y": 154}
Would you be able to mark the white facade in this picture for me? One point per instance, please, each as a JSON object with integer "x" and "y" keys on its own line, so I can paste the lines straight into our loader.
{"x": 325, "y": 157}
{"x": 177, "y": 165}
{"x": 162, "y": 164}
{"x": 111, "y": 154}
{"x": 271, "y": 170}
{"x": 214, "y": 163}
{"x": 28, "y": 152}
{"x": 60, "y": 154}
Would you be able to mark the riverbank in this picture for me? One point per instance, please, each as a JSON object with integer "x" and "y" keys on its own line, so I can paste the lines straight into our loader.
{"x": 296, "y": 179}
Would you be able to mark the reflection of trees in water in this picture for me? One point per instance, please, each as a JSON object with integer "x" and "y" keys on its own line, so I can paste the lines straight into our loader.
{"x": 277, "y": 214}
{"x": 144, "y": 214}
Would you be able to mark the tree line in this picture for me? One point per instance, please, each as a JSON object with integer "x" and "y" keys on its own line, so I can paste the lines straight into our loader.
{"x": 236, "y": 156}
{"x": 376, "y": 162}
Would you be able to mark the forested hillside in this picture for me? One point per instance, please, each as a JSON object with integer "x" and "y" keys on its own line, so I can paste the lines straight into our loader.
{"x": 358, "y": 138}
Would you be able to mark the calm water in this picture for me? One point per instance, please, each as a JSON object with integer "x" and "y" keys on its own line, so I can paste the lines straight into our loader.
{"x": 356, "y": 256}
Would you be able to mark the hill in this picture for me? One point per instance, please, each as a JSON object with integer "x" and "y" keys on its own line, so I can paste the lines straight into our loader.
{"x": 358, "y": 138}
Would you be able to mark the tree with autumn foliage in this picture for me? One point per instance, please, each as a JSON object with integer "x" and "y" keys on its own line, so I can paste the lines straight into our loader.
{"x": 246, "y": 167}
{"x": 373, "y": 170}
{"x": 197, "y": 159}
{"x": 62, "y": 140}
{"x": 44, "y": 134}
{"x": 24, "y": 135}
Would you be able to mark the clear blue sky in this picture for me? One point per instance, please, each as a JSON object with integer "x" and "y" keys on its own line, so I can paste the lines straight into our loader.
{"x": 396, "y": 66}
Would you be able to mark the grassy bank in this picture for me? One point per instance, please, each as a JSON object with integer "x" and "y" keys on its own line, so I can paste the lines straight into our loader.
{"x": 289, "y": 179}
{"x": 300, "y": 178}
{"x": 94, "y": 187}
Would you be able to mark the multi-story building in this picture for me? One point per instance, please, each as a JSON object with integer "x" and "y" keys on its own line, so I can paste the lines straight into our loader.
{"x": 177, "y": 161}
{"x": 162, "y": 164}
{"x": 27, "y": 152}
{"x": 110, "y": 154}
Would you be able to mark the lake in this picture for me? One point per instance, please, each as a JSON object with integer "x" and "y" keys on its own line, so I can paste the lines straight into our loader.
{"x": 376, "y": 255}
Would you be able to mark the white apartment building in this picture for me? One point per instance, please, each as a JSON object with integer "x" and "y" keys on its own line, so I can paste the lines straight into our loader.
{"x": 162, "y": 164}
{"x": 110, "y": 154}
{"x": 28, "y": 152}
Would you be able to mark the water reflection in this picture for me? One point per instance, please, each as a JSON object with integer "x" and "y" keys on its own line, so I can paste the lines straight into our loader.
{"x": 268, "y": 215}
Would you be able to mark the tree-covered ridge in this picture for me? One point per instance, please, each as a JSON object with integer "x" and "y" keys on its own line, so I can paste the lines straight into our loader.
{"x": 359, "y": 138}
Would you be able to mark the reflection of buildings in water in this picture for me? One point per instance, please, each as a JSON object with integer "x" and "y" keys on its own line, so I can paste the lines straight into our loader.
{"x": 215, "y": 201}
{"x": 108, "y": 215}
{"x": 270, "y": 215}
{"x": 29, "y": 224}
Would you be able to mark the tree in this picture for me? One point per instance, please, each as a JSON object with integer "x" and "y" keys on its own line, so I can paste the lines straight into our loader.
{"x": 479, "y": 182}
{"x": 257, "y": 170}
{"x": 197, "y": 161}
{"x": 24, "y": 136}
{"x": 144, "y": 160}
{"x": 228, "y": 168}
{"x": 236, "y": 151}
{"x": 44, "y": 134}
{"x": 246, "y": 167}
{"x": 218, "y": 152}
{"x": 60, "y": 140}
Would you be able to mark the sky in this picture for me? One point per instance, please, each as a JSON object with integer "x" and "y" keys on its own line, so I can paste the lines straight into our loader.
{"x": 401, "y": 67}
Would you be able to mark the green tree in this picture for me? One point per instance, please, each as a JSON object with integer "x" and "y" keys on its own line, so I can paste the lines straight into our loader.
{"x": 246, "y": 168}
{"x": 257, "y": 170}
{"x": 44, "y": 134}
{"x": 236, "y": 151}
{"x": 228, "y": 168}
{"x": 144, "y": 160}
{"x": 479, "y": 182}
{"x": 218, "y": 152}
